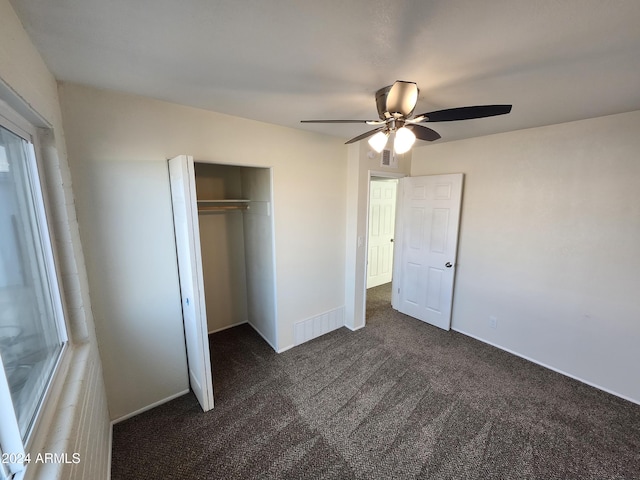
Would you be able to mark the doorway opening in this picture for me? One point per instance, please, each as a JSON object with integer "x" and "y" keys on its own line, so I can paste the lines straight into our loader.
{"x": 426, "y": 229}
{"x": 381, "y": 226}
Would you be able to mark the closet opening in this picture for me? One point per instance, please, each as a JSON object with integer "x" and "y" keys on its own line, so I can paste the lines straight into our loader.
{"x": 234, "y": 214}
{"x": 223, "y": 219}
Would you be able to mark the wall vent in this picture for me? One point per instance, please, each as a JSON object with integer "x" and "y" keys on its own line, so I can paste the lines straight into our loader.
{"x": 388, "y": 159}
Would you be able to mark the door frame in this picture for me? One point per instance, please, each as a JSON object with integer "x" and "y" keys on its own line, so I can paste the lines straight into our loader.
{"x": 370, "y": 175}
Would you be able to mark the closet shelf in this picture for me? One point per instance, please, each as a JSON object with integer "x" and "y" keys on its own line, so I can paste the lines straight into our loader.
{"x": 214, "y": 206}
{"x": 215, "y": 202}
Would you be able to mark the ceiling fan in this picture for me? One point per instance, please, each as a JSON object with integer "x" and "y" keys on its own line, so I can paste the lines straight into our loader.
{"x": 395, "y": 105}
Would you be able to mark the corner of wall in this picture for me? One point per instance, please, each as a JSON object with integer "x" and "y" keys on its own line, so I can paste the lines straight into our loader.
{"x": 77, "y": 421}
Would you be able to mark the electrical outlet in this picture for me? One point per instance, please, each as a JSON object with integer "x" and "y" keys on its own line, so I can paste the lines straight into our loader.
{"x": 493, "y": 322}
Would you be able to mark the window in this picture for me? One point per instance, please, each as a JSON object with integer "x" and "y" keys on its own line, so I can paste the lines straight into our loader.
{"x": 32, "y": 328}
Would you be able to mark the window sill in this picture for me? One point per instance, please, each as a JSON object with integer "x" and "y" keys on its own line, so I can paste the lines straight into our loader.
{"x": 54, "y": 430}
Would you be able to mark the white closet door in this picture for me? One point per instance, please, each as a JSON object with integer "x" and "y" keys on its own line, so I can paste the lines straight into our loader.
{"x": 185, "y": 220}
{"x": 429, "y": 215}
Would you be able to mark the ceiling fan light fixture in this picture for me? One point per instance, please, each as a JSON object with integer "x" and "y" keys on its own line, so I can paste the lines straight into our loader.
{"x": 396, "y": 103}
{"x": 404, "y": 140}
{"x": 379, "y": 141}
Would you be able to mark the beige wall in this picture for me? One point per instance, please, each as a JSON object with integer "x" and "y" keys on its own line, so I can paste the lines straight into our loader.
{"x": 550, "y": 244}
{"x": 118, "y": 146}
{"x": 78, "y": 409}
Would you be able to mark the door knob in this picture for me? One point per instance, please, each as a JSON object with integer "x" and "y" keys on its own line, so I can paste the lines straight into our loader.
{"x": 448, "y": 265}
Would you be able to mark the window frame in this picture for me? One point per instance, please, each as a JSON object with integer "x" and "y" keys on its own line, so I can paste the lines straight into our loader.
{"x": 18, "y": 125}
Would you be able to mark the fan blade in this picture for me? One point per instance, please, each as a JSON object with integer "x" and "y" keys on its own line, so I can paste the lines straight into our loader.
{"x": 465, "y": 113}
{"x": 424, "y": 133}
{"x": 364, "y": 135}
{"x": 337, "y": 121}
{"x": 402, "y": 98}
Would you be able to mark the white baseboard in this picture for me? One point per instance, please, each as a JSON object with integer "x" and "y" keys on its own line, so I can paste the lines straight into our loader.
{"x": 353, "y": 329}
{"x": 313, "y": 327}
{"x": 285, "y": 349}
{"x": 149, "y": 407}
{"x": 227, "y": 327}
{"x": 557, "y": 370}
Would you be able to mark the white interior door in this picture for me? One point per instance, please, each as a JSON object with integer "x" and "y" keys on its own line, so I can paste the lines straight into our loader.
{"x": 382, "y": 214}
{"x": 429, "y": 216}
{"x": 185, "y": 220}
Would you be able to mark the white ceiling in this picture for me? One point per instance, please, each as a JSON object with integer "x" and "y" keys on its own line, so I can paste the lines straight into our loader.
{"x": 281, "y": 61}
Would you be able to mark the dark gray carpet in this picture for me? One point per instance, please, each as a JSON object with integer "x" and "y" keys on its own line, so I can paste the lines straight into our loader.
{"x": 397, "y": 399}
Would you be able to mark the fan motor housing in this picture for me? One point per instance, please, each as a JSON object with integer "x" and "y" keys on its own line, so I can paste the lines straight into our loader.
{"x": 397, "y": 100}
{"x": 381, "y": 102}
